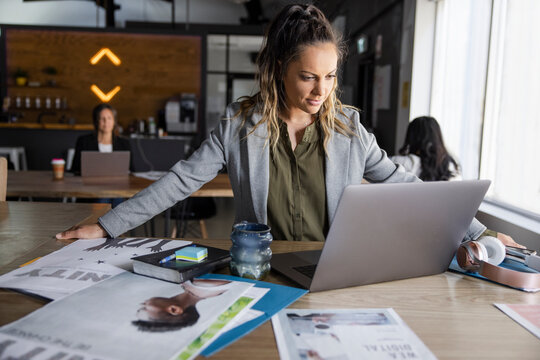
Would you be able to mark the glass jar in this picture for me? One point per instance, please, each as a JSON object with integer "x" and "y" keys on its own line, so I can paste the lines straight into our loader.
{"x": 250, "y": 251}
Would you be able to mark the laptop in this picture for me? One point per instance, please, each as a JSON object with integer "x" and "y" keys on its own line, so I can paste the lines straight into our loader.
{"x": 385, "y": 232}
{"x": 95, "y": 163}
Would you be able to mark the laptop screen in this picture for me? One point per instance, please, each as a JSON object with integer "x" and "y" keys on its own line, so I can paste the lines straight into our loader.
{"x": 95, "y": 163}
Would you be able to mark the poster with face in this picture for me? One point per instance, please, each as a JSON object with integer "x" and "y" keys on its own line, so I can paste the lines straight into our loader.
{"x": 128, "y": 316}
{"x": 82, "y": 264}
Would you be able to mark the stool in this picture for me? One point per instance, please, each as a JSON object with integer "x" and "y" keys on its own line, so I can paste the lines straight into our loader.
{"x": 15, "y": 154}
{"x": 191, "y": 209}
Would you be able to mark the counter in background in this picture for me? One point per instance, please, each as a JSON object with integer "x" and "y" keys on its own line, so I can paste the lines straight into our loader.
{"x": 49, "y": 126}
{"x": 42, "y": 142}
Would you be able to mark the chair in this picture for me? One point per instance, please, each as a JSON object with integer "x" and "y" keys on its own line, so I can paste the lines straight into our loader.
{"x": 3, "y": 178}
{"x": 69, "y": 158}
{"x": 17, "y": 156}
{"x": 187, "y": 212}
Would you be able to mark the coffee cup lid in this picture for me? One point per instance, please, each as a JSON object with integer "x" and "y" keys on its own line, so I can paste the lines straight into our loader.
{"x": 58, "y": 161}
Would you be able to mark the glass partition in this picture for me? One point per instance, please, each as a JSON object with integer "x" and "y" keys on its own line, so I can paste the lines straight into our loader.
{"x": 230, "y": 72}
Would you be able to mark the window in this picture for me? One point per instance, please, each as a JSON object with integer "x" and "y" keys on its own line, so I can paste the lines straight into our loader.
{"x": 485, "y": 91}
{"x": 231, "y": 72}
{"x": 511, "y": 136}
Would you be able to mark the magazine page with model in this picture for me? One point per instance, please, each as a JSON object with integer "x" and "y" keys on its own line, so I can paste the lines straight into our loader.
{"x": 129, "y": 316}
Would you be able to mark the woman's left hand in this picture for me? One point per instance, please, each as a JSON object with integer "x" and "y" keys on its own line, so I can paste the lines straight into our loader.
{"x": 508, "y": 241}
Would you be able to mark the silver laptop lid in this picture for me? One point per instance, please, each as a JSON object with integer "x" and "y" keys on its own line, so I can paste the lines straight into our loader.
{"x": 95, "y": 163}
{"x": 384, "y": 232}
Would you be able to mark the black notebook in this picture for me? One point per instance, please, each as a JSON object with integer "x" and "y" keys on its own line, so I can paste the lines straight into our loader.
{"x": 179, "y": 271}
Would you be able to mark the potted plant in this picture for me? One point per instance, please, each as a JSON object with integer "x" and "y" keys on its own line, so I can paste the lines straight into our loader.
{"x": 51, "y": 71}
{"x": 21, "y": 77}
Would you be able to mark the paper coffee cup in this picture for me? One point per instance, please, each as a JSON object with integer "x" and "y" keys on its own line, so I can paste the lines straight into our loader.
{"x": 58, "y": 168}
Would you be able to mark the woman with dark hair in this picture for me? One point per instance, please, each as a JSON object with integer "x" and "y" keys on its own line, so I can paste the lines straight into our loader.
{"x": 103, "y": 138}
{"x": 289, "y": 150}
{"x": 424, "y": 153}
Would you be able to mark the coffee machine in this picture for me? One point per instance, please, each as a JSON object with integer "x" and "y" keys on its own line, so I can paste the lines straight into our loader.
{"x": 181, "y": 114}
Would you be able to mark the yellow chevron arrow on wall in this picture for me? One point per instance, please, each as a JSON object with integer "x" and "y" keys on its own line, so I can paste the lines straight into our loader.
{"x": 105, "y": 52}
{"x": 104, "y": 97}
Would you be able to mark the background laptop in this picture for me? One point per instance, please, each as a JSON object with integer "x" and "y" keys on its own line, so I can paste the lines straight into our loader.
{"x": 384, "y": 232}
{"x": 95, "y": 163}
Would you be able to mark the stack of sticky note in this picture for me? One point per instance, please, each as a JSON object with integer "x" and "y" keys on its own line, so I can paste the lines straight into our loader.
{"x": 192, "y": 253}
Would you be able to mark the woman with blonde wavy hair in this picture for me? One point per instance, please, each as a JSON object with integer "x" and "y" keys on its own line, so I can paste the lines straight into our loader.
{"x": 289, "y": 150}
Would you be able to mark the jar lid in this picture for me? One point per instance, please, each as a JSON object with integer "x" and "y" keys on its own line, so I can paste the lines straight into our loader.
{"x": 57, "y": 161}
{"x": 252, "y": 227}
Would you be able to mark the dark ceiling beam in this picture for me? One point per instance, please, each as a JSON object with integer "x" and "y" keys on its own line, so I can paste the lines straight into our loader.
{"x": 110, "y": 7}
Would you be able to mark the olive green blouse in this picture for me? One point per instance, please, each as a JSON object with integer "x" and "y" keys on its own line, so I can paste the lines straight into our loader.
{"x": 297, "y": 193}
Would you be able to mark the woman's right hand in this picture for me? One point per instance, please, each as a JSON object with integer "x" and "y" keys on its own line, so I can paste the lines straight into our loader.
{"x": 91, "y": 231}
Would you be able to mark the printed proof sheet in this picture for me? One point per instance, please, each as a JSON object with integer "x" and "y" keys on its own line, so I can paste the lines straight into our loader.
{"x": 346, "y": 334}
{"x": 124, "y": 317}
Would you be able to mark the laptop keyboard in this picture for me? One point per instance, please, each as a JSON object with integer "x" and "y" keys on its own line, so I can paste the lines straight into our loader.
{"x": 307, "y": 270}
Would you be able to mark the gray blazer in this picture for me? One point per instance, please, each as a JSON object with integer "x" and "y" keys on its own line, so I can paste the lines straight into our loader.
{"x": 246, "y": 159}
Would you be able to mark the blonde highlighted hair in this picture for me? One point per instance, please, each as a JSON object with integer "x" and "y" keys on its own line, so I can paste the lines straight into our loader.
{"x": 293, "y": 29}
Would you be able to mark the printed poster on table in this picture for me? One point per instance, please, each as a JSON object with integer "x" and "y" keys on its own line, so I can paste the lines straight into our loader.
{"x": 346, "y": 334}
{"x": 527, "y": 315}
{"x": 81, "y": 264}
{"x": 127, "y": 316}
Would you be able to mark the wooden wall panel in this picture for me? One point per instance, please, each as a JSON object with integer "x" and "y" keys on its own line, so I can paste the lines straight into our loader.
{"x": 153, "y": 68}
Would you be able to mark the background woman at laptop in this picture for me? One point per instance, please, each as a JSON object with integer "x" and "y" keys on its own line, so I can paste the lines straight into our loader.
{"x": 103, "y": 138}
{"x": 289, "y": 150}
{"x": 424, "y": 153}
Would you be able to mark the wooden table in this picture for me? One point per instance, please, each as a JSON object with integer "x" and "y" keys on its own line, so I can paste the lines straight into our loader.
{"x": 26, "y": 226}
{"x": 451, "y": 313}
{"x": 41, "y": 184}
{"x": 27, "y": 231}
